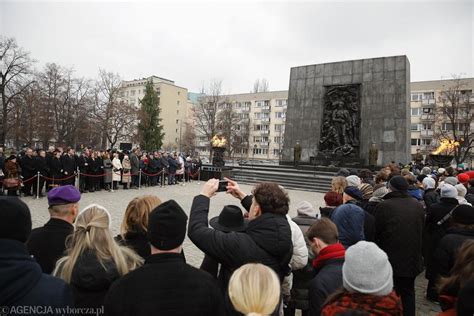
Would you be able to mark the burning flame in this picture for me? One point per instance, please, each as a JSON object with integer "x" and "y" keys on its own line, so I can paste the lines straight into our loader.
{"x": 218, "y": 141}
{"x": 446, "y": 145}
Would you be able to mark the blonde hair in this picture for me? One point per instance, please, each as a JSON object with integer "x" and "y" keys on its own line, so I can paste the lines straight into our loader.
{"x": 137, "y": 212}
{"x": 93, "y": 233}
{"x": 338, "y": 184}
{"x": 254, "y": 289}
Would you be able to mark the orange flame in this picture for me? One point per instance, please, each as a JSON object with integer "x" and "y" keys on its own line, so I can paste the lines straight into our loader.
{"x": 218, "y": 141}
{"x": 446, "y": 145}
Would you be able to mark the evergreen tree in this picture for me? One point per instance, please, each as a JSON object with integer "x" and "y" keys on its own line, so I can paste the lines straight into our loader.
{"x": 149, "y": 129}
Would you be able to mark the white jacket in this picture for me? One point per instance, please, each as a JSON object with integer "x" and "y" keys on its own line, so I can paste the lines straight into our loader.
{"x": 300, "y": 251}
{"x": 116, "y": 166}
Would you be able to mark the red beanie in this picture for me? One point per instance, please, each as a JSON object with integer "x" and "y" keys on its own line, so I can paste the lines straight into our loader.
{"x": 463, "y": 178}
{"x": 333, "y": 198}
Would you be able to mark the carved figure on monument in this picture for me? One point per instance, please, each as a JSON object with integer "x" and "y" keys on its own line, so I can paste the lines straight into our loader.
{"x": 341, "y": 120}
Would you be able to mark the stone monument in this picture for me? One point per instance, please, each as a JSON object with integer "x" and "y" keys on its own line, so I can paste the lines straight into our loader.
{"x": 337, "y": 110}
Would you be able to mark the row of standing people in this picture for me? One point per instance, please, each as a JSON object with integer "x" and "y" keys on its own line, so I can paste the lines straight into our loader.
{"x": 99, "y": 169}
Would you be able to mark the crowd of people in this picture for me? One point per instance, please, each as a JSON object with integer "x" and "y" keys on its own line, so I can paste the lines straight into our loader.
{"x": 94, "y": 170}
{"x": 358, "y": 254}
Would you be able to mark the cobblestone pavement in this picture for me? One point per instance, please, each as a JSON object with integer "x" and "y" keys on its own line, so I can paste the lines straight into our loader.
{"x": 117, "y": 201}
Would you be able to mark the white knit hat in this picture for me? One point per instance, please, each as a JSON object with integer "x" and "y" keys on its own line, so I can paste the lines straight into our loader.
{"x": 429, "y": 183}
{"x": 366, "y": 270}
{"x": 306, "y": 208}
{"x": 461, "y": 189}
{"x": 448, "y": 191}
{"x": 353, "y": 181}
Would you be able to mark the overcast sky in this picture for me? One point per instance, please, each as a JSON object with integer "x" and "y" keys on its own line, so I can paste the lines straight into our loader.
{"x": 194, "y": 43}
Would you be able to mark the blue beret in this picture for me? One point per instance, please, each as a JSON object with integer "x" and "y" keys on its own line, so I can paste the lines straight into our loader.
{"x": 354, "y": 193}
{"x": 63, "y": 195}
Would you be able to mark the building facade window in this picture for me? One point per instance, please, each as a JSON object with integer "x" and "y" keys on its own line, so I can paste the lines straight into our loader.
{"x": 415, "y": 142}
{"x": 415, "y": 111}
{"x": 416, "y": 97}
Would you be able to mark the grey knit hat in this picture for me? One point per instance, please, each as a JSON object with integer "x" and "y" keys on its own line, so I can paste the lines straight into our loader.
{"x": 366, "y": 270}
{"x": 451, "y": 180}
{"x": 305, "y": 208}
{"x": 353, "y": 181}
{"x": 448, "y": 191}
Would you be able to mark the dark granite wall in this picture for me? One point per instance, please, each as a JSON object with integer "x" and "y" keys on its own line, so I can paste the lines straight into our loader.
{"x": 385, "y": 105}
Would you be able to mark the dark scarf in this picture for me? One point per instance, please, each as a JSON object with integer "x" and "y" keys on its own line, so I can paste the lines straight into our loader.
{"x": 334, "y": 251}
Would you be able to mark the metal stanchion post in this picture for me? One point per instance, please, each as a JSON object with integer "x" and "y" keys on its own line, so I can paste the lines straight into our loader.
{"x": 37, "y": 184}
{"x": 79, "y": 178}
{"x": 139, "y": 178}
{"x": 199, "y": 175}
{"x": 163, "y": 177}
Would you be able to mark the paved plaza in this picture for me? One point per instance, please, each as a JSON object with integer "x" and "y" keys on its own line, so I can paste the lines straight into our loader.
{"x": 117, "y": 201}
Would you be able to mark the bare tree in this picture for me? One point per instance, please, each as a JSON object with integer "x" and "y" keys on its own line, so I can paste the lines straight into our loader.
{"x": 260, "y": 86}
{"x": 206, "y": 112}
{"x": 189, "y": 139}
{"x": 24, "y": 116}
{"x": 15, "y": 71}
{"x": 117, "y": 119}
{"x": 455, "y": 114}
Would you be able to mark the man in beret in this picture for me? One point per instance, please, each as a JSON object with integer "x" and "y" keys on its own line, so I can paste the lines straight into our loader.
{"x": 165, "y": 284}
{"x": 48, "y": 243}
{"x": 349, "y": 218}
{"x": 398, "y": 231}
{"x": 21, "y": 281}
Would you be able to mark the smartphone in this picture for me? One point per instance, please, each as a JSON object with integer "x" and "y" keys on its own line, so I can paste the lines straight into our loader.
{"x": 222, "y": 186}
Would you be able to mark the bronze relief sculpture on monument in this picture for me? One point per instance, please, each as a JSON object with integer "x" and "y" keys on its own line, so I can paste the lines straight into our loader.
{"x": 340, "y": 130}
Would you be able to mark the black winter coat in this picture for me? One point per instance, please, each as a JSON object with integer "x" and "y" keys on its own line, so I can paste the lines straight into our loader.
{"x": 433, "y": 232}
{"x": 69, "y": 164}
{"x": 48, "y": 243}
{"x": 56, "y": 168}
{"x": 445, "y": 253}
{"x": 136, "y": 241}
{"x": 398, "y": 231}
{"x": 41, "y": 166}
{"x": 28, "y": 167}
{"x": 90, "y": 281}
{"x": 430, "y": 196}
{"x": 23, "y": 284}
{"x": 165, "y": 285}
{"x": 327, "y": 280}
{"x": 303, "y": 277}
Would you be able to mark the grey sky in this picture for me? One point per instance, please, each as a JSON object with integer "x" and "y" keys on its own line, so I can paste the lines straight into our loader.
{"x": 193, "y": 43}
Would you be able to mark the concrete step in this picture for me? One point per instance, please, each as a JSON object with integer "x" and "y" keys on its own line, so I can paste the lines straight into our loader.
{"x": 290, "y": 178}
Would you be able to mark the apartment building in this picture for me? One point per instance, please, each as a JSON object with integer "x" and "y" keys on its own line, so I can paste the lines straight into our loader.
{"x": 427, "y": 121}
{"x": 263, "y": 116}
{"x": 173, "y": 104}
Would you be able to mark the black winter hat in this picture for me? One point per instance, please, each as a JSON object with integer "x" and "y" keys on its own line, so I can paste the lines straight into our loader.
{"x": 229, "y": 220}
{"x": 398, "y": 183}
{"x": 167, "y": 226}
{"x": 464, "y": 214}
{"x": 15, "y": 219}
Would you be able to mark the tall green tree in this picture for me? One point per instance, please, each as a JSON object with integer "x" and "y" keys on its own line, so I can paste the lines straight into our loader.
{"x": 150, "y": 131}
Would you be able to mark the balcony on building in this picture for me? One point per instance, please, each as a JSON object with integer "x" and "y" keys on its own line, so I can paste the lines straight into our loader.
{"x": 427, "y": 133}
{"x": 266, "y": 119}
{"x": 266, "y": 108}
{"x": 264, "y": 144}
{"x": 265, "y": 132}
{"x": 431, "y": 102}
{"x": 427, "y": 117}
